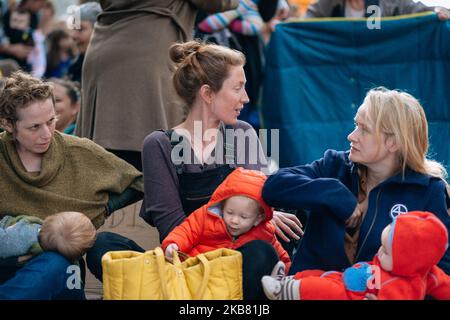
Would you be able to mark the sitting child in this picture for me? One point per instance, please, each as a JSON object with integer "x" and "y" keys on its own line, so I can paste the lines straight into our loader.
{"x": 69, "y": 233}
{"x": 235, "y": 215}
{"x": 404, "y": 268}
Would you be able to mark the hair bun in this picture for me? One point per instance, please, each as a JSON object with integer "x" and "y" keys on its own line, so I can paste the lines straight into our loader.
{"x": 180, "y": 51}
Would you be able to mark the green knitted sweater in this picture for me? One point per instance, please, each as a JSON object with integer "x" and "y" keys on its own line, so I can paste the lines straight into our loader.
{"x": 76, "y": 175}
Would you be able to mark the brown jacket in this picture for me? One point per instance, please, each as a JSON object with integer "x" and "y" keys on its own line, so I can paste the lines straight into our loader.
{"x": 127, "y": 86}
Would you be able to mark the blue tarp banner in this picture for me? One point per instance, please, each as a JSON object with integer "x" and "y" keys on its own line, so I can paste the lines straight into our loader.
{"x": 318, "y": 73}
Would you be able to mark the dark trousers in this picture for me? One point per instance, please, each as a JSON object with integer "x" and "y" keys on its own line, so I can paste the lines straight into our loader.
{"x": 258, "y": 259}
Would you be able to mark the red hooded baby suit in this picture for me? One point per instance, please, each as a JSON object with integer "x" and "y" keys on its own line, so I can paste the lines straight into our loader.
{"x": 204, "y": 230}
{"x": 418, "y": 240}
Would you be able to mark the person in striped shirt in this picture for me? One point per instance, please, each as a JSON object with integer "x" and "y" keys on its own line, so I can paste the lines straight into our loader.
{"x": 244, "y": 20}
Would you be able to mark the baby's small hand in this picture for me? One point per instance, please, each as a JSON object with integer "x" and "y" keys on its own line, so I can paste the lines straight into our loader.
{"x": 170, "y": 249}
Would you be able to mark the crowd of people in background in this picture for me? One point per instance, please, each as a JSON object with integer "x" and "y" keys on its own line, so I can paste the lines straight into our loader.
{"x": 131, "y": 80}
{"x": 33, "y": 38}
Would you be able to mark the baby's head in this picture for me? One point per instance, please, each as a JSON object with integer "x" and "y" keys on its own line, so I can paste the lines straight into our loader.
{"x": 241, "y": 213}
{"x": 69, "y": 233}
{"x": 412, "y": 243}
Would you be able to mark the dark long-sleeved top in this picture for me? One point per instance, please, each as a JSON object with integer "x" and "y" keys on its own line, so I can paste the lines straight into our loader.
{"x": 162, "y": 202}
{"x": 328, "y": 189}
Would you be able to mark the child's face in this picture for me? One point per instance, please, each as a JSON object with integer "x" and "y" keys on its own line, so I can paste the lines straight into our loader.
{"x": 241, "y": 214}
{"x": 385, "y": 251}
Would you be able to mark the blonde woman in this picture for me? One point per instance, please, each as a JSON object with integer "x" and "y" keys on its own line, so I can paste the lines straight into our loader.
{"x": 352, "y": 196}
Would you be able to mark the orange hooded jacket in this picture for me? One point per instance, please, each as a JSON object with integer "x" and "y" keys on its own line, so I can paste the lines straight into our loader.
{"x": 418, "y": 240}
{"x": 204, "y": 230}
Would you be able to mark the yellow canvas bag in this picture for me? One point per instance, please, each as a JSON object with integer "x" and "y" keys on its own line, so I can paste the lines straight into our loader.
{"x": 131, "y": 275}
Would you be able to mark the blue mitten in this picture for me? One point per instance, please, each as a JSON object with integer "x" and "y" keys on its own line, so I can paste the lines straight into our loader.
{"x": 357, "y": 277}
{"x": 17, "y": 239}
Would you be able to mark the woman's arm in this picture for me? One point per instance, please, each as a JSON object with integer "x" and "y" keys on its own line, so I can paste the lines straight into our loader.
{"x": 314, "y": 187}
{"x": 118, "y": 201}
{"x": 162, "y": 203}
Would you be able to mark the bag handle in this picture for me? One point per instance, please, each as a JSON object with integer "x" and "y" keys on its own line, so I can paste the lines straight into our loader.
{"x": 161, "y": 262}
{"x": 183, "y": 255}
{"x": 206, "y": 272}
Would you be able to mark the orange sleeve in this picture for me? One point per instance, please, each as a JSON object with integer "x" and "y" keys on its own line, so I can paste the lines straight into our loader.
{"x": 438, "y": 284}
{"x": 188, "y": 233}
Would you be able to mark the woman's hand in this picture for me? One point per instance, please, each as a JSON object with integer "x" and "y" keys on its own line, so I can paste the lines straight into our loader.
{"x": 355, "y": 218}
{"x": 170, "y": 249}
{"x": 287, "y": 223}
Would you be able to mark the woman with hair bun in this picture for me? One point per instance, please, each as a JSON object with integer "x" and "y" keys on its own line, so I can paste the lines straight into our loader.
{"x": 124, "y": 102}
{"x": 184, "y": 165}
{"x": 352, "y": 196}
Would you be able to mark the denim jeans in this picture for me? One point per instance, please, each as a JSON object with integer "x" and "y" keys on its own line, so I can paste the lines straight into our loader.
{"x": 46, "y": 277}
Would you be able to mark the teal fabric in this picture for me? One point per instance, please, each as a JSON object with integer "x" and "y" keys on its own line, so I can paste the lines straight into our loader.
{"x": 318, "y": 72}
{"x": 70, "y": 129}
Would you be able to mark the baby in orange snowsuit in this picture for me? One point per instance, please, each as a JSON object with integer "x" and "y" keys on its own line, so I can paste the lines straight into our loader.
{"x": 403, "y": 269}
{"x": 236, "y": 214}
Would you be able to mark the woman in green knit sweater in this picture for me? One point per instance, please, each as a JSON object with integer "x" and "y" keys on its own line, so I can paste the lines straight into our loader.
{"x": 43, "y": 172}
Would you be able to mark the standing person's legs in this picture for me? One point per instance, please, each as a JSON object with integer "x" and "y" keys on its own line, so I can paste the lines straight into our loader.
{"x": 258, "y": 260}
{"x": 107, "y": 241}
{"x": 46, "y": 277}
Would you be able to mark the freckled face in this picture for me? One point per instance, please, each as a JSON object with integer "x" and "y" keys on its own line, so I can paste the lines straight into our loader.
{"x": 365, "y": 147}
{"x": 35, "y": 127}
{"x": 230, "y": 99}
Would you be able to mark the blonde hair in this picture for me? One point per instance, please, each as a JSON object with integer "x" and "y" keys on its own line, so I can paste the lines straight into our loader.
{"x": 69, "y": 233}
{"x": 400, "y": 115}
{"x": 200, "y": 63}
{"x": 254, "y": 203}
